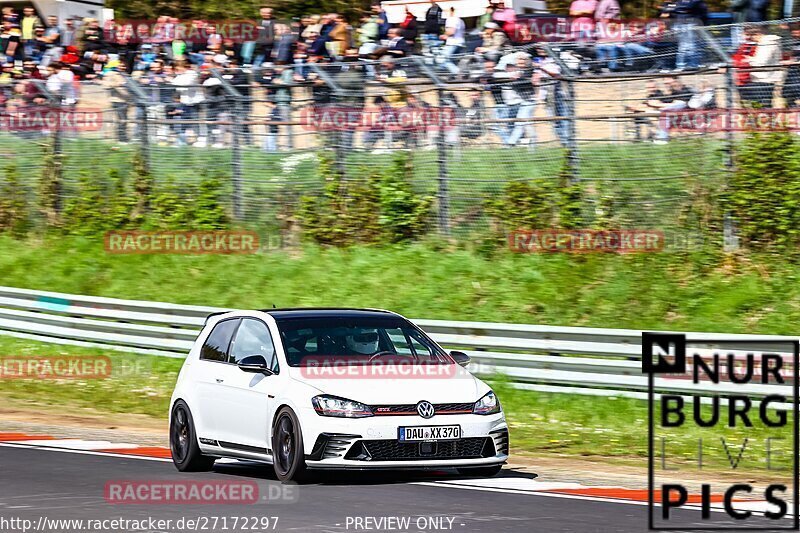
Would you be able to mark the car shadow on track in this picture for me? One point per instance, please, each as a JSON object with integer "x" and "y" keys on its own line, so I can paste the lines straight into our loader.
{"x": 360, "y": 477}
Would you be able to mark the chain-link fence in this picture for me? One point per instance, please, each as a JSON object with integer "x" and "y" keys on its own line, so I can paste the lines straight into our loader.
{"x": 638, "y": 123}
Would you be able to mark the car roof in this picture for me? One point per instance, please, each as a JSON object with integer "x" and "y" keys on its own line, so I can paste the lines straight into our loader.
{"x": 317, "y": 312}
{"x": 328, "y": 312}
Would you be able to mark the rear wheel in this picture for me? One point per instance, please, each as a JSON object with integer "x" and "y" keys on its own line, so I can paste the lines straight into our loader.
{"x": 481, "y": 471}
{"x": 183, "y": 444}
{"x": 287, "y": 447}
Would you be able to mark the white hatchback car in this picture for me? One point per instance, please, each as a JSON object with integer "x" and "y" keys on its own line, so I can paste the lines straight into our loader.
{"x": 331, "y": 388}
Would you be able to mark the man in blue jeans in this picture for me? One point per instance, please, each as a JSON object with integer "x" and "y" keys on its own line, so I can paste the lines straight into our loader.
{"x": 432, "y": 28}
{"x": 454, "y": 40}
{"x": 688, "y": 15}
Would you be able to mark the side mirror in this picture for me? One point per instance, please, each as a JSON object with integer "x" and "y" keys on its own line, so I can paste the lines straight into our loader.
{"x": 255, "y": 364}
{"x": 460, "y": 358}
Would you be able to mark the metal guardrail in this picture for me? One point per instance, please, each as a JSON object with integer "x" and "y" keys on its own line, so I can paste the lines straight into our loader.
{"x": 576, "y": 360}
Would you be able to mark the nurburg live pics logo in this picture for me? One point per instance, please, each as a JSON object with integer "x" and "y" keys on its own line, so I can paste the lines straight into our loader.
{"x": 736, "y": 371}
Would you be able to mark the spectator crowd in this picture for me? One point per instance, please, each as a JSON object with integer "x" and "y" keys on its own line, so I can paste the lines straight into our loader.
{"x": 184, "y": 69}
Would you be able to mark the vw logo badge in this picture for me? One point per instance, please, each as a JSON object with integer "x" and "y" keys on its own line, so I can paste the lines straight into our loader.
{"x": 425, "y": 409}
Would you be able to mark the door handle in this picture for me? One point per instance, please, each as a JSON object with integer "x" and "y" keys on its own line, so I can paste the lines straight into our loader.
{"x": 219, "y": 380}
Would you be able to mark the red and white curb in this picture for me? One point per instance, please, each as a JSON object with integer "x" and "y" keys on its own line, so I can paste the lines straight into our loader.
{"x": 102, "y": 447}
{"x": 512, "y": 485}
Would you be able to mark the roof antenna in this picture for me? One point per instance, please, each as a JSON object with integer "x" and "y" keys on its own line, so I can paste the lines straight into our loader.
{"x": 273, "y": 306}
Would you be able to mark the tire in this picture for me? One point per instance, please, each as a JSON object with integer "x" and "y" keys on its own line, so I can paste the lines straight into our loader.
{"x": 481, "y": 471}
{"x": 288, "y": 456}
{"x": 183, "y": 444}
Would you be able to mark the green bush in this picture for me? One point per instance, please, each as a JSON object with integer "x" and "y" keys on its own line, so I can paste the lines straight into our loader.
{"x": 87, "y": 212}
{"x": 134, "y": 201}
{"x": 13, "y": 204}
{"x": 188, "y": 207}
{"x": 764, "y": 192}
{"x": 537, "y": 203}
{"x": 404, "y": 215}
{"x": 382, "y": 208}
{"x": 51, "y": 186}
{"x": 523, "y": 205}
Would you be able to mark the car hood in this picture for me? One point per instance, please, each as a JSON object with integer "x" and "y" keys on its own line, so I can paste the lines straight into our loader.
{"x": 459, "y": 387}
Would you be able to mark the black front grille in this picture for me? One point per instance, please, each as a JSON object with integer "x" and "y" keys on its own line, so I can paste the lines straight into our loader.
{"x": 392, "y": 450}
{"x": 411, "y": 409}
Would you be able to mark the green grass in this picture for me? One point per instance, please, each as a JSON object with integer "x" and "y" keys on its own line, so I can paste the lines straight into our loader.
{"x": 645, "y": 291}
{"x": 136, "y": 383}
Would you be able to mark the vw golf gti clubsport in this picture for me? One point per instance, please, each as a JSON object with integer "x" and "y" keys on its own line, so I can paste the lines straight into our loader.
{"x": 309, "y": 389}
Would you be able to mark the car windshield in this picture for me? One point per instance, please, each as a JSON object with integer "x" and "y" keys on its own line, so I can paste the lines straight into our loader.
{"x": 309, "y": 341}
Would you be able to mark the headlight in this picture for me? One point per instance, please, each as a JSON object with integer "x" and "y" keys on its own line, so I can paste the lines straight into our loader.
{"x": 333, "y": 406}
{"x": 488, "y": 405}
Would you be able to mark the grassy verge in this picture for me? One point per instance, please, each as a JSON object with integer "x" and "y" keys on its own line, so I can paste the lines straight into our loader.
{"x": 699, "y": 292}
{"x": 140, "y": 384}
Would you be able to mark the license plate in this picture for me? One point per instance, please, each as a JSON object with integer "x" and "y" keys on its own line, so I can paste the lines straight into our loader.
{"x": 428, "y": 433}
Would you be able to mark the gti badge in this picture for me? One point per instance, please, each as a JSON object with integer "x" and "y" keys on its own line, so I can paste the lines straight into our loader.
{"x": 425, "y": 409}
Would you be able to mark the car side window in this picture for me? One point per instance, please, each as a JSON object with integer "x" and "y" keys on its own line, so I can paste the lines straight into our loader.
{"x": 423, "y": 352}
{"x": 398, "y": 339}
{"x": 216, "y": 346}
{"x": 253, "y": 338}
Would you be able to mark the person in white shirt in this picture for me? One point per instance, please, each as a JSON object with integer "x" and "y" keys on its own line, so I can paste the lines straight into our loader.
{"x": 454, "y": 29}
{"x": 62, "y": 82}
{"x": 547, "y": 74}
{"x": 190, "y": 95}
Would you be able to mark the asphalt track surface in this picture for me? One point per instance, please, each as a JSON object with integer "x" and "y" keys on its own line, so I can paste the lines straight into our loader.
{"x": 68, "y": 485}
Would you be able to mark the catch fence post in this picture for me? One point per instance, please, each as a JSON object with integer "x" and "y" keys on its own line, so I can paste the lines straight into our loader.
{"x": 443, "y": 195}
{"x": 730, "y": 239}
{"x": 573, "y": 158}
{"x": 236, "y": 159}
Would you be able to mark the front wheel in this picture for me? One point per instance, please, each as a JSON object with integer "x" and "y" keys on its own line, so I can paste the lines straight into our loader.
{"x": 183, "y": 444}
{"x": 287, "y": 447}
{"x": 481, "y": 471}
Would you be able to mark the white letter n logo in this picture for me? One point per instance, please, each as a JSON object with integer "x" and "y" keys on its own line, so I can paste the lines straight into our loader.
{"x": 663, "y": 353}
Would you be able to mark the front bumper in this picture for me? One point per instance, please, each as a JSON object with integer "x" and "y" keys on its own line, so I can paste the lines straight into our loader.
{"x": 372, "y": 442}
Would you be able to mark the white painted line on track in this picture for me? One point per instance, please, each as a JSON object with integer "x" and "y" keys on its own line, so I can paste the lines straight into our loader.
{"x": 83, "y": 452}
{"x": 77, "y": 444}
{"x": 455, "y": 484}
